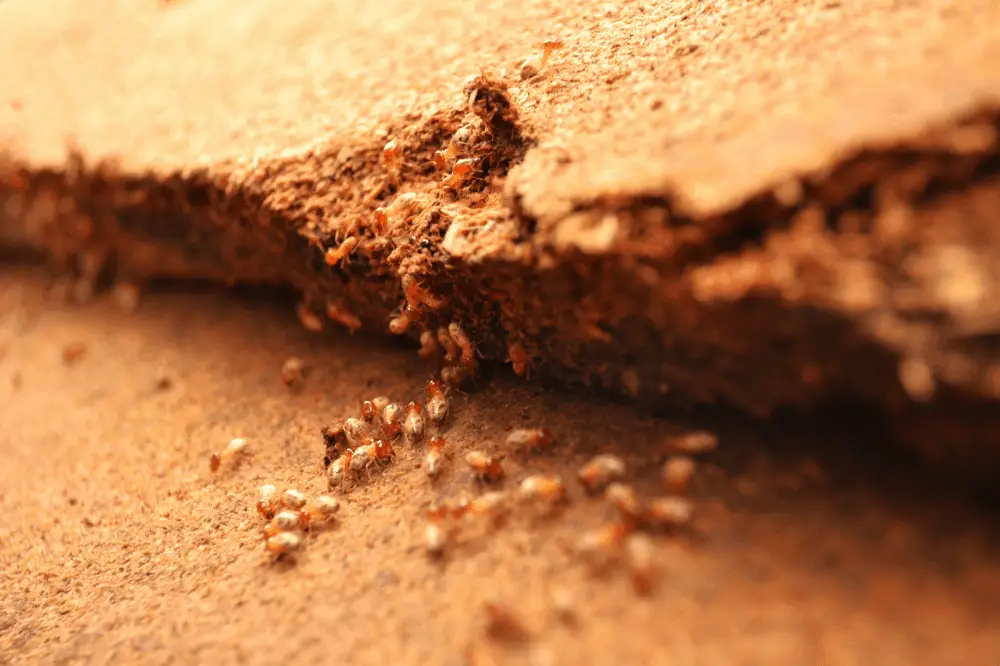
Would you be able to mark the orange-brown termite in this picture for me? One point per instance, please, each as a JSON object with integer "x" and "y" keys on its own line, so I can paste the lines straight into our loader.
{"x": 293, "y": 499}
{"x": 400, "y": 323}
{"x": 435, "y": 532}
{"x": 487, "y": 504}
{"x": 417, "y": 296}
{"x": 488, "y": 469}
{"x": 535, "y": 65}
{"x": 435, "y": 538}
{"x": 234, "y": 450}
{"x": 626, "y": 500}
{"x": 340, "y": 468}
{"x": 308, "y": 318}
{"x": 668, "y": 512}
{"x": 267, "y": 504}
{"x": 356, "y": 431}
{"x": 692, "y": 443}
{"x": 600, "y": 471}
{"x": 381, "y": 225}
{"x": 402, "y": 209}
{"x": 432, "y": 463}
{"x": 677, "y": 473}
{"x": 437, "y": 402}
{"x": 392, "y": 156}
{"x": 293, "y": 373}
{"x": 459, "y": 173}
{"x": 321, "y": 509}
{"x": 283, "y": 521}
{"x": 368, "y": 411}
{"x": 336, "y": 255}
{"x": 384, "y": 452}
{"x": 467, "y": 352}
{"x": 526, "y": 440}
{"x": 429, "y": 347}
{"x": 413, "y": 423}
{"x": 362, "y": 460}
{"x": 544, "y": 487}
{"x": 283, "y": 543}
{"x": 441, "y": 158}
{"x": 641, "y": 556}
{"x": 452, "y": 352}
{"x": 343, "y": 316}
{"x": 392, "y": 420}
{"x": 600, "y": 545}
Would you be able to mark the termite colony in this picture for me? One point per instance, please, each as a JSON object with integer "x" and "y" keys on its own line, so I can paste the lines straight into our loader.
{"x": 637, "y": 518}
{"x": 288, "y": 516}
{"x": 414, "y": 184}
{"x": 357, "y": 445}
{"x": 628, "y": 534}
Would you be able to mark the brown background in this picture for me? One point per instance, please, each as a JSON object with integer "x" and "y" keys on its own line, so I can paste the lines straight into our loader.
{"x": 812, "y": 545}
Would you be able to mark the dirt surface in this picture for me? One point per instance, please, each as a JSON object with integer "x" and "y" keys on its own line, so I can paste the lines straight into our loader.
{"x": 119, "y": 546}
{"x": 756, "y": 204}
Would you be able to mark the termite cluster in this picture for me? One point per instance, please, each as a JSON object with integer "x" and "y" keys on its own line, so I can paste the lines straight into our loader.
{"x": 445, "y": 518}
{"x": 462, "y": 163}
{"x": 288, "y": 516}
{"x": 635, "y": 518}
{"x": 358, "y": 444}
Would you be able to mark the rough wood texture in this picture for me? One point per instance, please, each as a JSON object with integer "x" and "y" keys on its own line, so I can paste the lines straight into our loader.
{"x": 755, "y": 204}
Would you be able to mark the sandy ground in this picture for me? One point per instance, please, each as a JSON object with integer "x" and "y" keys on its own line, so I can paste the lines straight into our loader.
{"x": 118, "y": 545}
{"x": 813, "y": 542}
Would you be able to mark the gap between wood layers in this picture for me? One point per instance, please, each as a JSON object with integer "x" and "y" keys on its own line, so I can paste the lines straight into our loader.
{"x": 877, "y": 278}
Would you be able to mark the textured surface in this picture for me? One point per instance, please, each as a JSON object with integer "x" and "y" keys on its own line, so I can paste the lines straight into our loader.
{"x": 119, "y": 546}
{"x": 757, "y": 204}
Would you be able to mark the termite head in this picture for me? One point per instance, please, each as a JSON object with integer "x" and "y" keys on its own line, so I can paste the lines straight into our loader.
{"x": 434, "y": 389}
{"x": 392, "y": 420}
{"x": 391, "y": 152}
{"x": 399, "y": 324}
{"x": 384, "y": 450}
{"x": 413, "y": 423}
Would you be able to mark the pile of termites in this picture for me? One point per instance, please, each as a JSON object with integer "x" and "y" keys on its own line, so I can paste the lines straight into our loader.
{"x": 357, "y": 446}
{"x": 460, "y": 166}
{"x": 287, "y": 514}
